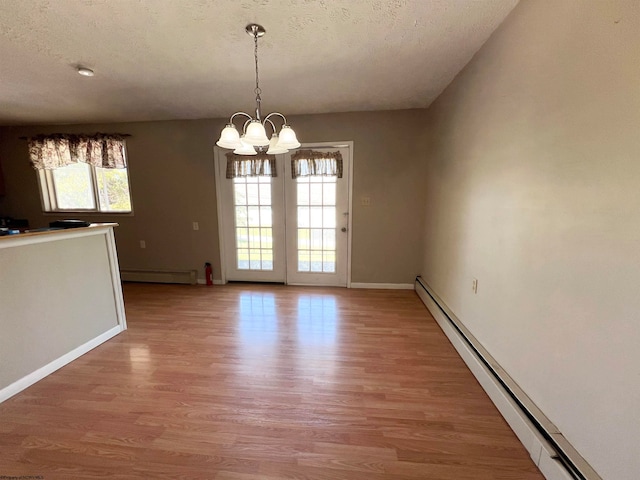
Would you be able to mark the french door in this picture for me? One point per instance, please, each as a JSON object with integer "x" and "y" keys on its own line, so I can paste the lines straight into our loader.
{"x": 279, "y": 229}
{"x": 253, "y": 227}
{"x": 317, "y": 214}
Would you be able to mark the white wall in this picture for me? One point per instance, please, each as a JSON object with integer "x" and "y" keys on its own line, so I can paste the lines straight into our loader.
{"x": 533, "y": 188}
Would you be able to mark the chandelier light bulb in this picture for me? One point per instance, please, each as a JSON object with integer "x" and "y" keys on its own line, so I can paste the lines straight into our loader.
{"x": 256, "y": 134}
{"x": 273, "y": 146}
{"x": 229, "y": 138}
{"x": 245, "y": 148}
{"x": 288, "y": 138}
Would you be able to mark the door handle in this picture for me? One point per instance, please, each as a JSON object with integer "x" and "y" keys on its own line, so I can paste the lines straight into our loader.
{"x": 343, "y": 229}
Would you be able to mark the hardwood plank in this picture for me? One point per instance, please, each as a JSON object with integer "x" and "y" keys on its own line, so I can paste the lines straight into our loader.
{"x": 247, "y": 382}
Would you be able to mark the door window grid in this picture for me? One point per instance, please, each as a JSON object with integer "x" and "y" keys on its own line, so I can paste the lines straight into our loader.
{"x": 253, "y": 222}
{"x": 316, "y": 209}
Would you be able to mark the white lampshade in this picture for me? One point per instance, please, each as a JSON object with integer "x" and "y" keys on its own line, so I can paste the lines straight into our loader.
{"x": 288, "y": 138}
{"x": 255, "y": 134}
{"x": 245, "y": 149}
{"x": 229, "y": 138}
{"x": 273, "y": 146}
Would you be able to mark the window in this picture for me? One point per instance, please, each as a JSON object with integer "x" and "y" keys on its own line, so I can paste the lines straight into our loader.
{"x": 80, "y": 173}
{"x": 83, "y": 187}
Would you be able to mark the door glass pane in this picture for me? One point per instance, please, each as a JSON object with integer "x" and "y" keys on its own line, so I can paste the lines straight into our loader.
{"x": 315, "y": 194}
{"x": 267, "y": 260}
{"x": 265, "y": 193}
{"x": 316, "y": 260}
{"x": 254, "y": 238}
{"x": 253, "y": 194}
{"x": 243, "y": 258}
{"x": 255, "y": 262}
{"x": 315, "y": 217}
{"x": 240, "y": 191}
{"x": 303, "y": 193}
{"x": 329, "y": 217}
{"x": 242, "y": 219}
{"x": 254, "y": 216}
{"x": 266, "y": 239}
{"x": 303, "y": 217}
{"x": 303, "y": 261}
{"x": 329, "y": 193}
{"x": 303, "y": 239}
{"x": 316, "y": 200}
{"x": 328, "y": 261}
{"x": 254, "y": 245}
{"x": 316, "y": 239}
{"x": 329, "y": 238}
{"x": 74, "y": 187}
{"x": 242, "y": 237}
{"x": 265, "y": 217}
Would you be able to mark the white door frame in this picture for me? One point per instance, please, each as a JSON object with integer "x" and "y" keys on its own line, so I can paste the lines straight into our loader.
{"x": 218, "y": 156}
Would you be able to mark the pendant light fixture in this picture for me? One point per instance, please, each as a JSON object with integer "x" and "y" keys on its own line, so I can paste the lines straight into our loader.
{"x": 254, "y": 135}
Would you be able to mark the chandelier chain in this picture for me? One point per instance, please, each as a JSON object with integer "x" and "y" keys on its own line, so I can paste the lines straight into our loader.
{"x": 258, "y": 91}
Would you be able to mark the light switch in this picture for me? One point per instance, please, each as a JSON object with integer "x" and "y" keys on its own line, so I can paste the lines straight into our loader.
{"x": 196, "y": 226}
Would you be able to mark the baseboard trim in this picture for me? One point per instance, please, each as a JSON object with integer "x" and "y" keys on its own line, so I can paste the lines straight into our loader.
{"x": 384, "y": 286}
{"x": 48, "y": 369}
{"x": 187, "y": 277}
{"x": 554, "y": 464}
{"x": 202, "y": 281}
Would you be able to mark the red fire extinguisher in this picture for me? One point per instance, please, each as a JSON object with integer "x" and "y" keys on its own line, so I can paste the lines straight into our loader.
{"x": 208, "y": 273}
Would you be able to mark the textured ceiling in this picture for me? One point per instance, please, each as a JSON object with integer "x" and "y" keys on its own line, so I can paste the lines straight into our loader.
{"x": 185, "y": 59}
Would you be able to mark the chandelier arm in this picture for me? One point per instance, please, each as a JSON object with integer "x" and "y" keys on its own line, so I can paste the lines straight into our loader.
{"x": 239, "y": 113}
{"x": 272, "y": 124}
{"x": 244, "y": 127}
{"x": 276, "y": 113}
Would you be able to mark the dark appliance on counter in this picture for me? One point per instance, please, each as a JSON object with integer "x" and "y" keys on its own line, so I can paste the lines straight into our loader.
{"x": 69, "y": 224}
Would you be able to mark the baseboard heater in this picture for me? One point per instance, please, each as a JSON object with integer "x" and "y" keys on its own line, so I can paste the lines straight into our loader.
{"x": 188, "y": 277}
{"x": 553, "y": 454}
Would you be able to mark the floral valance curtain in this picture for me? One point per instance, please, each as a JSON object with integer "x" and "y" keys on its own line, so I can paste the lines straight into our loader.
{"x": 311, "y": 162}
{"x": 60, "y": 150}
{"x": 253, "y": 166}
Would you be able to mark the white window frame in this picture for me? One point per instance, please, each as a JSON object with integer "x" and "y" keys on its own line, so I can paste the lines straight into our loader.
{"x": 49, "y": 200}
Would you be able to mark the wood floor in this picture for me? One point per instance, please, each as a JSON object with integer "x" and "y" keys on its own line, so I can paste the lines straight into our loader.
{"x": 246, "y": 382}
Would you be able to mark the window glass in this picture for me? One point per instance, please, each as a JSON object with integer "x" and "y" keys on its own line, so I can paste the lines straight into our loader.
{"x": 113, "y": 189}
{"x": 73, "y": 187}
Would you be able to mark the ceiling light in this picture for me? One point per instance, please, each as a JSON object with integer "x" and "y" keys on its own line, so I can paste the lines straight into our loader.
{"x": 254, "y": 138}
{"x": 86, "y": 72}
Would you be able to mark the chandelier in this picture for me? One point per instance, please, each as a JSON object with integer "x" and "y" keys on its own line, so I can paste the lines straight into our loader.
{"x": 254, "y": 135}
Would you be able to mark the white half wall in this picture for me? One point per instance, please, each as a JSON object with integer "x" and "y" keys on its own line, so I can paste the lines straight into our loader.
{"x": 61, "y": 296}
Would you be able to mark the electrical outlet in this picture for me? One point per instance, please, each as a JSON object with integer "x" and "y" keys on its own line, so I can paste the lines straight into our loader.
{"x": 365, "y": 201}
{"x": 143, "y": 244}
{"x": 196, "y": 226}
{"x": 474, "y": 285}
